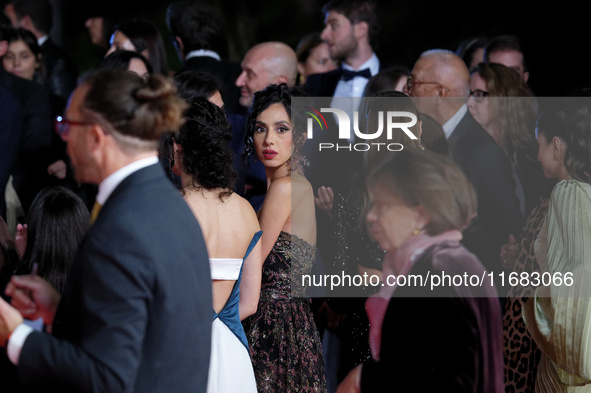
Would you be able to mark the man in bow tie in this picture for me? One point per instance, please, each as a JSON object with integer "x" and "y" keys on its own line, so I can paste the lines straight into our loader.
{"x": 350, "y": 30}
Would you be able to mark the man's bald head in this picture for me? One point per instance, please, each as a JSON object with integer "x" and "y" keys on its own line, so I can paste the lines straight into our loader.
{"x": 265, "y": 64}
{"x": 446, "y": 68}
{"x": 440, "y": 73}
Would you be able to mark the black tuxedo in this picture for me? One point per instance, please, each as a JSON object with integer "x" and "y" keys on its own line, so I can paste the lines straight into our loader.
{"x": 487, "y": 167}
{"x": 323, "y": 85}
{"x": 30, "y": 166}
{"x": 61, "y": 74}
{"x": 135, "y": 315}
{"x": 225, "y": 74}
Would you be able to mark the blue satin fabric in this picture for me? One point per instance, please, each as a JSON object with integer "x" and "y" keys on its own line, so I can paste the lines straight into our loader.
{"x": 230, "y": 315}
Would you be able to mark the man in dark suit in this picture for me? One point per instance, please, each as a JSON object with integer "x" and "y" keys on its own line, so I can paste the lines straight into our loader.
{"x": 11, "y": 122}
{"x": 26, "y": 150}
{"x": 135, "y": 315}
{"x": 200, "y": 45}
{"x": 439, "y": 83}
{"x": 60, "y": 71}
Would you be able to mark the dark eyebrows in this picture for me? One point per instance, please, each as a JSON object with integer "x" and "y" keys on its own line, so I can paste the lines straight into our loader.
{"x": 277, "y": 123}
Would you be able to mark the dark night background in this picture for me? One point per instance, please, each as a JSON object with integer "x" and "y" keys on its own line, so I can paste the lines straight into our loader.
{"x": 554, "y": 36}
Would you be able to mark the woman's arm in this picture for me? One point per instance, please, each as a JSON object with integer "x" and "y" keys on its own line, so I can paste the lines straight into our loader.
{"x": 250, "y": 284}
{"x": 275, "y": 214}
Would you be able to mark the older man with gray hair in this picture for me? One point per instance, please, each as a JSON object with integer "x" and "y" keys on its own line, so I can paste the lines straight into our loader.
{"x": 439, "y": 83}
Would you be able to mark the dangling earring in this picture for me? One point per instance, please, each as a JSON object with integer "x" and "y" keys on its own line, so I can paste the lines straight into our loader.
{"x": 557, "y": 155}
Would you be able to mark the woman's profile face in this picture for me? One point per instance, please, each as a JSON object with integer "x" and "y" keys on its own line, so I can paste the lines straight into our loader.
{"x": 319, "y": 60}
{"x": 391, "y": 221}
{"x": 20, "y": 60}
{"x": 273, "y": 136}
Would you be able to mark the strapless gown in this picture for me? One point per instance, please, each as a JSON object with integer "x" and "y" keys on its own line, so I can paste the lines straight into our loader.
{"x": 230, "y": 367}
{"x": 284, "y": 342}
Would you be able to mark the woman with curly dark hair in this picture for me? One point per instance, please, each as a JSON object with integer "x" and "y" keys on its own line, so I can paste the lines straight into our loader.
{"x": 203, "y": 161}
{"x": 284, "y": 342}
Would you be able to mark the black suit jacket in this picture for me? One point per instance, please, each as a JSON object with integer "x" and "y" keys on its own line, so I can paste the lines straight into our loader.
{"x": 30, "y": 167}
{"x": 224, "y": 72}
{"x": 323, "y": 85}
{"x": 487, "y": 167}
{"x": 11, "y": 125}
{"x": 136, "y": 312}
{"x": 61, "y": 74}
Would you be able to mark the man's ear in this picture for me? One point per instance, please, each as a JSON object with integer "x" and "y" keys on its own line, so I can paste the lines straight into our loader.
{"x": 360, "y": 29}
{"x": 300, "y": 68}
{"x": 279, "y": 79}
{"x": 96, "y": 137}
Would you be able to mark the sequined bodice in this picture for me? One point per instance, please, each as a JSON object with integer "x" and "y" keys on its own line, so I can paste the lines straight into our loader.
{"x": 290, "y": 258}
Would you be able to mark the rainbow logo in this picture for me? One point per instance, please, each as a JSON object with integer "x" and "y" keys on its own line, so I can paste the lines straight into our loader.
{"x": 315, "y": 114}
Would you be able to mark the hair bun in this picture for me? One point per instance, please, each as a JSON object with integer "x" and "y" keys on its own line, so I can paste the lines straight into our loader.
{"x": 156, "y": 87}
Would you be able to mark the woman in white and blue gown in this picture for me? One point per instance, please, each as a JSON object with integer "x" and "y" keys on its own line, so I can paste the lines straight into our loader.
{"x": 203, "y": 161}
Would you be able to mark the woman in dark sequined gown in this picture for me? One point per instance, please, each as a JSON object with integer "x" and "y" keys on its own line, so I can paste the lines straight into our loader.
{"x": 284, "y": 342}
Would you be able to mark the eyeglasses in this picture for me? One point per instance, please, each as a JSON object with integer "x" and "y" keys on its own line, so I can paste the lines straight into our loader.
{"x": 479, "y": 95}
{"x": 410, "y": 83}
{"x": 62, "y": 126}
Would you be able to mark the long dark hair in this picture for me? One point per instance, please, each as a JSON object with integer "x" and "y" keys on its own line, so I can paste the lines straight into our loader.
{"x": 205, "y": 139}
{"x": 570, "y": 121}
{"x": 57, "y": 222}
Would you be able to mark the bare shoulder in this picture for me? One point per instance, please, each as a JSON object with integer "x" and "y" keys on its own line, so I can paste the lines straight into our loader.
{"x": 280, "y": 187}
{"x": 301, "y": 187}
{"x": 246, "y": 210}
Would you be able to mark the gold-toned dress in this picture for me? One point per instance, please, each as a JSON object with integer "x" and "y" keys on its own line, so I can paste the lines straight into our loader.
{"x": 559, "y": 316}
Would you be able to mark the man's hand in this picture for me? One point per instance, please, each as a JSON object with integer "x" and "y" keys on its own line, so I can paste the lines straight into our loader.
{"x": 58, "y": 169}
{"x": 325, "y": 199}
{"x": 33, "y": 297}
{"x": 10, "y": 318}
{"x": 509, "y": 253}
{"x": 20, "y": 240}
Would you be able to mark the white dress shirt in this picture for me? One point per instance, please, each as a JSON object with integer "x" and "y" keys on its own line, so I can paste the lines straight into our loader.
{"x": 347, "y": 95}
{"x": 452, "y": 123}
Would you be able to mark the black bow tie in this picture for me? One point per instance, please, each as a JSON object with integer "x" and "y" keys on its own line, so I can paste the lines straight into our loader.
{"x": 348, "y": 74}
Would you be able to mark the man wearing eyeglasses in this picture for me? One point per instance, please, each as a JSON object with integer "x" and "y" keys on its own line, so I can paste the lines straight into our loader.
{"x": 439, "y": 85}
